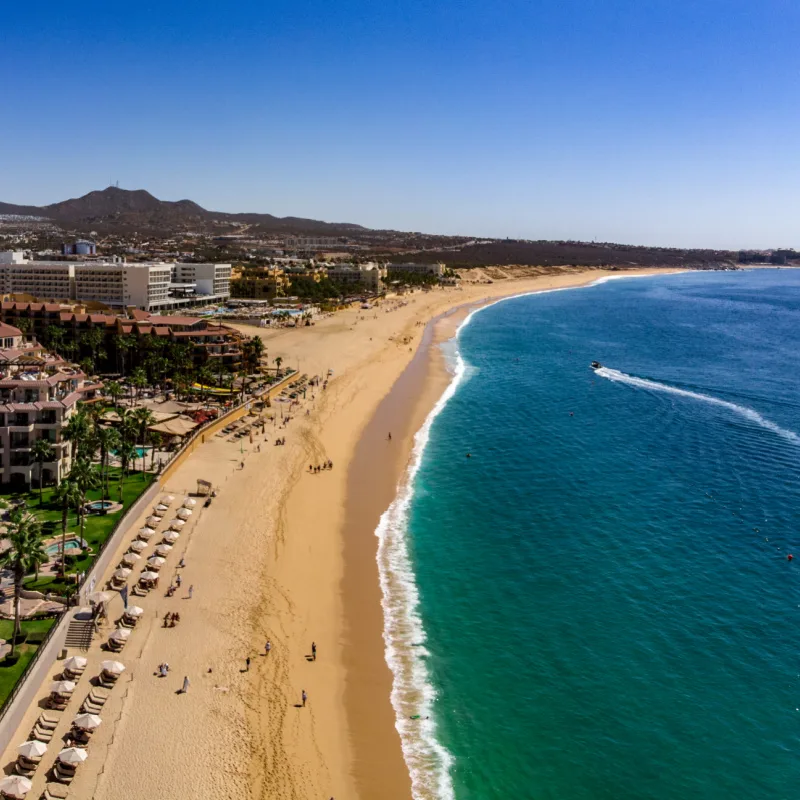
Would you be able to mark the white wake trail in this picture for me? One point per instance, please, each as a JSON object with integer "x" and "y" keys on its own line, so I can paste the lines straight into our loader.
{"x": 743, "y": 411}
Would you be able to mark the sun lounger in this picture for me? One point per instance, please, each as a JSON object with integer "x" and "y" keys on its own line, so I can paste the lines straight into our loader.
{"x": 41, "y": 734}
{"x": 63, "y": 773}
{"x": 48, "y": 721}
{"x": 55, "y": 791}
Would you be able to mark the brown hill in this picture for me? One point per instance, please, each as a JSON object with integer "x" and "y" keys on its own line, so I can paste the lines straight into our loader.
{"x": 115, "y": 210}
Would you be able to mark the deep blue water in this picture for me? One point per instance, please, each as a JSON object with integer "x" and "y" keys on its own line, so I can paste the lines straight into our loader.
{"x": 604, "y": 584}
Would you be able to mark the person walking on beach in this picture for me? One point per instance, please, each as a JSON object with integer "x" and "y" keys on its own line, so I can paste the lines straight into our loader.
{"x": 390, "y": 436}
{"x": 178, "y": 580}
{"x": 247, "y": 664}
{"x": 191, "y": 591}
{"x": 267, "y": 647}
{"x": 186, "y": 684}
{"x": 313, "y": 651}
{"x": 305, "y": 697}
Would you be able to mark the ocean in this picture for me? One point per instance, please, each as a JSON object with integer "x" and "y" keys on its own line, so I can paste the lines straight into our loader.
{"x": 587, "y": 585}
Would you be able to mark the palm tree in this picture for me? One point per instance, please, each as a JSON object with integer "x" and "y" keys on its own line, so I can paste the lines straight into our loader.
{"x": 76, "y": 430}
{"x": 127, "y": 455}
{"x": 278, "y": 362}
{"x": 144, "y": 418}
{"x": 67, "y": 495}
{"x": 24, "y": 532}
{"x": 85, "y": 478}
{"x": 155, "y": 439}
{"x": 124, "y": 344}
{"x": 108, "y": 439}
{"x": 138, "y": 380}
{"x": 114, "y": 390}
{"x": 42, "y": 451}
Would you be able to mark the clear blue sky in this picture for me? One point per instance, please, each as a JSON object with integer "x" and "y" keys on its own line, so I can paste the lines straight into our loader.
{"x": 646, "y": 121}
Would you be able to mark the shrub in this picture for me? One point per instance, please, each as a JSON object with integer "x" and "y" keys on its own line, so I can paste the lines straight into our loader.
{"x": 37, "y": 637}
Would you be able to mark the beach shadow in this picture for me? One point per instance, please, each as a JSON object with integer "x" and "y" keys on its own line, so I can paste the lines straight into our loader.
{"x": 309, "y": 657}
{"x": 298, "y": 705}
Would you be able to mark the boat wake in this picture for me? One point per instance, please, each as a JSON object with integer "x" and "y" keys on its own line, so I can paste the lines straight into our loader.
{"x": 749, "y": 414}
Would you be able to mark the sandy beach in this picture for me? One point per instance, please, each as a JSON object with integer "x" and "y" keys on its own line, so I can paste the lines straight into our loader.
{"x": 283, "y": 554}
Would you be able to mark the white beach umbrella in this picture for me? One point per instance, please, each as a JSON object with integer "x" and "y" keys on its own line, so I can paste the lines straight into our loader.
{"x": 153, "y": 522}
{"x": 75, "y": 663}
{"x": 15, "y": 786}
{"x": 176, "y": 524}
{"x": 163, "y": 550}
{"x": 100, "y": 597}
{"x": 189, "y": 502}
{"x": 32, "y": 749}
{"x": 155, "y": 562}
{"x": 130, "y": 559}
{"x": 134, "y": 611}
{"x": 120, "y": 635}
{"x": 167, "y": 500}
{"x": 149, "y": 576}
{"x": 162, "y": 508}
{"x": 112, "y": 667}
{"x": 137, "y": 545}
{"x": 62, "y": 687}
{"x": 184, "y": 513}
{"x": 146, "y": 532}
{"x": 73, "y": 755}
{"x": 87, "y": 722}
{"x": 171, "y": 537}
{"x": 159, "y": 512}
{"x": 122, "y": 574}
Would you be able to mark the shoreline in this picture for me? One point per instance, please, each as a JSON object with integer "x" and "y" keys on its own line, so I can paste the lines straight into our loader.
{"x": 439, "y": 386}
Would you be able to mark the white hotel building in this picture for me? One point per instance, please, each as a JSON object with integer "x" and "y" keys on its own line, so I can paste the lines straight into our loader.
{"x": 149, "y": 286}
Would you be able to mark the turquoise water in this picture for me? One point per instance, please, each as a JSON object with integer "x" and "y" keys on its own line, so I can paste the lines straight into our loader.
{"x": 605, "y": 604}
{"x": 70, "y": 544}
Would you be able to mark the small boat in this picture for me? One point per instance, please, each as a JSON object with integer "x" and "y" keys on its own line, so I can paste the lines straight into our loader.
{"x": 596, "y": 365}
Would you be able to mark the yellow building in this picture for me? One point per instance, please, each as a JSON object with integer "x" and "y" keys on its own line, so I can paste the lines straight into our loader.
{"x": 259, "y": 283}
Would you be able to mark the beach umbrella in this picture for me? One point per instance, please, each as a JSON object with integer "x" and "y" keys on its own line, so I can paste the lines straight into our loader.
{"x": 163, "y": 549}
{"x": 130, "y": 558}
{"x": 137, "y": 546}
{"x": 167, "y": 500}
{"x": 171, "y": 537}
{"x": 87, "y": 722}
{"x": 153, "y": 522}
{"x": 73, "y": 755}
{"x": 184, "y": 513}
{"x": 32, "y": 749}
{"x": 162, "y": 509}
{"x": 155, "y": 562}
{"x": 120, "y": 635}
{"x": 176, "y": 524}
{"x": 15, "y": 786}
{"x": 157, "y": 512}
{"x": 189, "y": 502}
{"x": 134, "y": 611}
{"x": 100, "y": 597}
{"x": 122, "y": 574}
{"x": 62, "y": 687}
{"x": 75, "y": 663}
{"x": 145, "y": 533}
{"x": 149, "y": 576}
{"x": 112, "y": 667}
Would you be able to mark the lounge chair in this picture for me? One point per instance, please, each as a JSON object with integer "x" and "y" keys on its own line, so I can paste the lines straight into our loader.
{"x": 48, "y": 721}
{"x": 26, "y": 766}
{"x": 80, "y": 738}
{"x": 55, "y": 791}
{"x": 57, "y": 702}
{"x": 64, "y": 772}
{"x": 42, "y": 734}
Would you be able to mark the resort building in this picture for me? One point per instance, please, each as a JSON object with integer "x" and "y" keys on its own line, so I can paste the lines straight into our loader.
{"x": 39, "y": 392}
{"x": 115, "y": 283}
{"x": 424, "y": 269}
{"x": 369, "y": 276}
{"x": 260, "y": 283}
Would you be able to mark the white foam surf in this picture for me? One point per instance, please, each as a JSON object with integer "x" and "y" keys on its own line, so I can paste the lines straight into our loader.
{"x": 749, "y": 414}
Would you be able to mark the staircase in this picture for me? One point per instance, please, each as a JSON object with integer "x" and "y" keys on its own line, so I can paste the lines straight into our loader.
{"x": 79, "y": 633}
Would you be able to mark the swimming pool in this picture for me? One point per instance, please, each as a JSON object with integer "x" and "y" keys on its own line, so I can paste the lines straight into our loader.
{"x": 99, "y": 505}
{"x": 71, "y": 545}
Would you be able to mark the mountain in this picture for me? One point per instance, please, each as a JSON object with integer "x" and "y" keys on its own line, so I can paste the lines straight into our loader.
{"x": 115, "y": 210}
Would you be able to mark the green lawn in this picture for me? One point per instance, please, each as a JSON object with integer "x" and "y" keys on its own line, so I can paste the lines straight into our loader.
{"x": 10, "y": 675}
{"x": 97, "y": 527}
